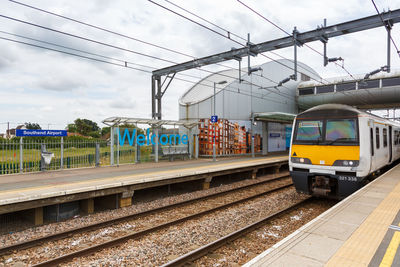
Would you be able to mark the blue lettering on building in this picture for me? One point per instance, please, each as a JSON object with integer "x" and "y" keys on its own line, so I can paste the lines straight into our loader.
{"x": 141, "y": 139}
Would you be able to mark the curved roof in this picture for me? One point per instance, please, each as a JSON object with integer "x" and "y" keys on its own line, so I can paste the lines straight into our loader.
{"x": 205, "y": 87}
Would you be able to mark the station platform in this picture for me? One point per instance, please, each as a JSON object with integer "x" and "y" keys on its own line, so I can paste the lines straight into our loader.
{"x": 27, "y": 191}
{"x": 361, "y": 230}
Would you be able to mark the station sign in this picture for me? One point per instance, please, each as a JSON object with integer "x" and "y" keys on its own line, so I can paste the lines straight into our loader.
{"x": 54, "y": 133}
{"x": 214, "y": 119}
{"x": 274, "y": 135}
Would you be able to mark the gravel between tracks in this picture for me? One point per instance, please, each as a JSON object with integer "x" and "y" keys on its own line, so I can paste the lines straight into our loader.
{"x": 165, "y": 245}
{"x": 247, "y": 247}
{"x": 11, "y": 238}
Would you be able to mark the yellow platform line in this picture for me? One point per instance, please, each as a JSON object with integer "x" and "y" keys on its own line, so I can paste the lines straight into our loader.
{"x": 359, "y": 249}
{"x": 390, "y": 253}
{"x": 132, "y": 176}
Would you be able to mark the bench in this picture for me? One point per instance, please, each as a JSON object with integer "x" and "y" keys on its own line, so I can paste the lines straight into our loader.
{"x": 173, "y": 151}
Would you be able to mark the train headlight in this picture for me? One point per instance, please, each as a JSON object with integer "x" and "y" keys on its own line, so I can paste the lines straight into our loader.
{"x": 346, "y": 163}
{"x": 300, "y": 160}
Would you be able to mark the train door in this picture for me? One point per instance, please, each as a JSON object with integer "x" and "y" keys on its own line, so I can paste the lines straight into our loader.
{"x": 372, "y": 148}
{"x": 390, "y": 144}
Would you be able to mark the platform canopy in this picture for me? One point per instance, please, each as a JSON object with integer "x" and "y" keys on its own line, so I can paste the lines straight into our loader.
{"x": 118, "y": 121}
{"x": 275, "y": 117}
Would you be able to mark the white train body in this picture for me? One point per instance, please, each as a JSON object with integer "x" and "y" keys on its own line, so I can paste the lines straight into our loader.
{"x": 335, "y": 147}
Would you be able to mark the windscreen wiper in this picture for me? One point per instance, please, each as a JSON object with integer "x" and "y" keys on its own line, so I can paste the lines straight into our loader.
{"x": 340, "y": 139}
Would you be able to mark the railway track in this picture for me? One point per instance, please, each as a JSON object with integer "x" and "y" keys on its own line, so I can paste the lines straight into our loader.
{"x": 116, "y": 241}
{"x": 208, "y": 248}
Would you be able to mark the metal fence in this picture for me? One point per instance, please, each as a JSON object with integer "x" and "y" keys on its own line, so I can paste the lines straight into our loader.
{"x": 29, "y": 155}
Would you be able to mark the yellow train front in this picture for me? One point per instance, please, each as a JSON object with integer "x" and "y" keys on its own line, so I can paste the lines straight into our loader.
{"x": 334, "y": 148}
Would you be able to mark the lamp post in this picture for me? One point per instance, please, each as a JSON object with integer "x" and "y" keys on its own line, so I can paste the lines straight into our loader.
{"x": 215, "y": 83}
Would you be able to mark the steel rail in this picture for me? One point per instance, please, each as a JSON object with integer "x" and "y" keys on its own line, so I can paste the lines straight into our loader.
{"x": 114, "y": 242}
{"x": 94, "y": 226}
{"x": 204, "y": 250}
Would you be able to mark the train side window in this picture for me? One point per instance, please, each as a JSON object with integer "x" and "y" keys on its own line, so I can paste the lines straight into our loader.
{"x": 384, "y": 137}
{"x": 395, "y": 137}
{"x": 398, "y": 137}
{"x": 371, "y": 135}
{"x": 377, "y": 137}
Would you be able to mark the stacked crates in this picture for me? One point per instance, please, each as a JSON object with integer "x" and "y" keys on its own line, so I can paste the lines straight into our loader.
{"x": 230, "y": 138}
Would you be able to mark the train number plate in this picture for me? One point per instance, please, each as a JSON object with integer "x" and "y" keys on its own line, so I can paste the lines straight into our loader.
{"x": 348, "y": 178}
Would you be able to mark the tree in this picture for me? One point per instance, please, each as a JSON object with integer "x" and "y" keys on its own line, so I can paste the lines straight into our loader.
{"x": 85, "y": 127}
{"x": 32, "y": 126}
{"x": 105, "y": 130}
{"x": 71, "y": 128}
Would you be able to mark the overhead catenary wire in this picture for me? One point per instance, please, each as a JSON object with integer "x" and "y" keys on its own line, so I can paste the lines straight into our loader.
{"x": 101, "y": 43}
{"x": 208, "y": 28}
{"x": 86, "y": 39}
{"x": 365, "y": 102}
{"x": 280, "y": 28}
{"x": 222, "y": 74}
{"x": 383, "y": 22}
{"x": 123, "y": 35}
{"x": 122, "y": 65}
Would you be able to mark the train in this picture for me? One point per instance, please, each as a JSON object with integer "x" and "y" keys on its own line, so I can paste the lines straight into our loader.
{"x": 336, "y": 149}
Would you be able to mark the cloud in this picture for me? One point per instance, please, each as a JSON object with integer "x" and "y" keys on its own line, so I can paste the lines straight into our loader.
{"x": 123, "y": 104}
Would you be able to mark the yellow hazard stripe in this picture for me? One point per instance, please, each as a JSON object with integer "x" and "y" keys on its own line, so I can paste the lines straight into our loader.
{"x": 391, "y": 250}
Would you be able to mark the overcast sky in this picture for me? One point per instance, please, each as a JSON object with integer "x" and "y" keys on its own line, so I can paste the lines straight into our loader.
{"x": 53, "y": 89}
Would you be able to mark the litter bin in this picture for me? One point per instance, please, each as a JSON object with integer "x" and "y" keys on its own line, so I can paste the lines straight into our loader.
{"x": 46, "y": 159}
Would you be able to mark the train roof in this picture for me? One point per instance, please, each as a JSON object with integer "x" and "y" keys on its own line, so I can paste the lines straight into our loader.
{"x": 334, "y": 106}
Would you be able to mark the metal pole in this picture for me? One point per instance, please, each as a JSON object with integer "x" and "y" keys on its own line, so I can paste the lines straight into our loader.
{"x": 112, "y": 146}
{"x": 248, "y": 55}
{"x": 97, "y": 155}
{"x": 156, "y": 146}
{"x": 295, "y": 52}
{"x": 388, "y": 48}
{"x": 159, "y": 96}
{"x": 252, "y": 135}
{"x": 325, "y": 55}
{"x": 153, "y": 97}
{"x": 214, "y": 156}
{"x": 62, "y": 153}
{"x": 197, "y": 146}
{"x": 118, "y": 146}
{"x": 21, "y": 153}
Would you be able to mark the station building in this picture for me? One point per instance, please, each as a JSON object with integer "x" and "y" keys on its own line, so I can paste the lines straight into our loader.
{"x": 245, "y": 104}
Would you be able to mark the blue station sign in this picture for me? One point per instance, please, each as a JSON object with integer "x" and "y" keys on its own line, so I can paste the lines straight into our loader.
{"x": 54, "y": 133}
{"x": 214, "y": 119}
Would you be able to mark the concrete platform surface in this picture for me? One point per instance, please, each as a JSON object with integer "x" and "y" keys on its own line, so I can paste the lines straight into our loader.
{"x": 27, "y": 187}
{"x": 361, "y": 230}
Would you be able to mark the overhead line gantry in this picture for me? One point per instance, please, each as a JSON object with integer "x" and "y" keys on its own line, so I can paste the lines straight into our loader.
{"x": 322, "y": 33}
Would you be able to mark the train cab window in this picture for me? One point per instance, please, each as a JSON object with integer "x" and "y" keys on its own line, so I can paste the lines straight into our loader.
{"x": 377, "y": 138}
{"x": 341, "y": 130}
{"x": 309, "y": 131}
{"x": 385, "y": 137}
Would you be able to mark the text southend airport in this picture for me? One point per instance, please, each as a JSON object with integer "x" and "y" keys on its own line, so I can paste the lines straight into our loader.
{"x": 141, "y": 139}
{"x": 41, "y": 132}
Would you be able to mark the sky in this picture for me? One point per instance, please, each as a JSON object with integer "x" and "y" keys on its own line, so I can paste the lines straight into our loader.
{"x": 53, "y": 89}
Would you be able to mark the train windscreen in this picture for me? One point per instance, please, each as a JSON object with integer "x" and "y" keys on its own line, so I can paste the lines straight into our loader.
{"x": 345, "y": 129}
{"x": 326, "y": 132}
{"x": 309, "y": 130}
